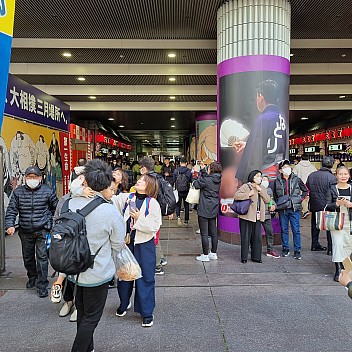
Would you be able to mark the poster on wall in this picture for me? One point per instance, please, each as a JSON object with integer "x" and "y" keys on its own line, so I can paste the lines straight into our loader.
{"x": 26, "y": 144}
{"x": 206, "y": 141}
{"x": 253, "y": 128}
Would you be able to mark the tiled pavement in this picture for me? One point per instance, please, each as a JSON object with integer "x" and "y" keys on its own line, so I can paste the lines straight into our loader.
{"x": 279, "y": 305}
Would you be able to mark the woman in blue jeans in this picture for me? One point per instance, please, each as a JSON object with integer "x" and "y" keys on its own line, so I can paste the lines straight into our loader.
{"x": 209, "y": 185}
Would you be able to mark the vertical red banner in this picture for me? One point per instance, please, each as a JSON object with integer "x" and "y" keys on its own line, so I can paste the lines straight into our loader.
{"x": 66, "y": 156}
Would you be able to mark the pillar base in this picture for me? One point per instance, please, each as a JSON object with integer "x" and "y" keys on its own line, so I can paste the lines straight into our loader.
{"x": 235, "y": 238}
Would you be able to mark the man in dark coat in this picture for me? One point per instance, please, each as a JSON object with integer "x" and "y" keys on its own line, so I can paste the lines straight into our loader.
{"x": 35, "y": 204}
{"x": 319, "y": 183}
{"x": 167, "y": 171}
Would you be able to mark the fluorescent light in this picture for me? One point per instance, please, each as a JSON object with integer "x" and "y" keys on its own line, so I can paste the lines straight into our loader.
{"x": 67, "y": 54}
{"x": 111, "y": 119}
{"x": 121, "y": 126}
{"x": 292, "y": 54}
{"x": 343, "y": 55}
{"x": 92, "y": 97}
{"x": 172, "y": 55}
{"x": 173, "y": 126}
{"x": 172, "y": 119}
{"x": 304, "y": 118}
{"x": 81, "y": 79}
{"x": 172, "y": 79}
{"x": 342, "y": 96}
{"x": 172, "y": 97}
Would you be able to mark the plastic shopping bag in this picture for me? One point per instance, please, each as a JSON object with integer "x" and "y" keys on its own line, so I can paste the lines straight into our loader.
{"x": 127, "y": 267}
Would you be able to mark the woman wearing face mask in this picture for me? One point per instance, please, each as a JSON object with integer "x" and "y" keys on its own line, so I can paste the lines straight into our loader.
{"x": 250, "y": 224}
{"x": 291, "y": 187}
{"x": 339, "y": 199}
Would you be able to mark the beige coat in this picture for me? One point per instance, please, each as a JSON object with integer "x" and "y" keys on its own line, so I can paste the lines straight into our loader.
{"x": 243, "y": 193}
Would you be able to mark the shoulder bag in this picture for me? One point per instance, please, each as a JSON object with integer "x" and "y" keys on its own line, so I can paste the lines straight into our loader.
{"x": 241, "y": 207}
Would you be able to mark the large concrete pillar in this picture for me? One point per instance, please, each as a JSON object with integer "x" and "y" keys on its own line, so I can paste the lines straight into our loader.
{"x": 253, "y": 95}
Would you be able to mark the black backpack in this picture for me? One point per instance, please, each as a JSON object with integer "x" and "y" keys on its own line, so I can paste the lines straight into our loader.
{"x": 166, "y": 197}
{"x": 69, "y": 250}
{"x": 182, "y": 184}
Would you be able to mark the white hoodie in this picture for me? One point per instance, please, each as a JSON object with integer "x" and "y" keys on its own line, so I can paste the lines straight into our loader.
{"x": 303, "y": 169}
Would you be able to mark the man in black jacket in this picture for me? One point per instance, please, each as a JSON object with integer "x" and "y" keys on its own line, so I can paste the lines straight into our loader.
{"x": 319, "y": 183}
{"x": 291, "y": 187}
{"x": 35, "y": 204}
{"x": 182, "y": 180}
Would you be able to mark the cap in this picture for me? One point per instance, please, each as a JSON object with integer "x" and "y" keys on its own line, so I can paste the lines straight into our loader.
{"x": 33, "y": 170}
{"x": 283, "y": 162}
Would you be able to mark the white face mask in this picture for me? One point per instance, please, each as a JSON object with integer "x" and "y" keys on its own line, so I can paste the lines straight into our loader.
{"x": 32, "y": 183}
{"x": 257, "y": 180}
{"x": 287, "y": 171}
{"x": 265, "y": 183}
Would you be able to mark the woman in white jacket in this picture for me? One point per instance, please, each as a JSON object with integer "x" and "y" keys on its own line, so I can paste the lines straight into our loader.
{"x": 142, "y": 214}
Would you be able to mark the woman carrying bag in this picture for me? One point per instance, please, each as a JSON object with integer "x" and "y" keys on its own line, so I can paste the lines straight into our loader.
{"x": 250, "y": 223}
{"x": 142, "y": 214}
{"x": 340, "y": 200}
{"x": 209, "y": 185}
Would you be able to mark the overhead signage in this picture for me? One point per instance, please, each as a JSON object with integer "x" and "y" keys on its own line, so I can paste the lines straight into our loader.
{"x": 336, "y": 147}
{"x": 113, "y": 142}
{"x": 30, "y": 103}
{"x": 311, "y": 149}
{"x": 293, "y": 151}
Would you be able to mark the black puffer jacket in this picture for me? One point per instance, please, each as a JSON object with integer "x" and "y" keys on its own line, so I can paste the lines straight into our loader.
{"x": 209, "y": 185}
{"x": 35, "y": 208}
{"x": 319, "y": 184}
{"x": 297, "y": 190}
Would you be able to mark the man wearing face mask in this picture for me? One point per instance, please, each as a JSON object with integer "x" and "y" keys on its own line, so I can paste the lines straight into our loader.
{"x": 35, "y": 204}
{"x": 289, "y": 192}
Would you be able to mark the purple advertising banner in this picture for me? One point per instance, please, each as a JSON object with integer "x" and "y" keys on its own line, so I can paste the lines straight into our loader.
{"x": 27, "y": 102}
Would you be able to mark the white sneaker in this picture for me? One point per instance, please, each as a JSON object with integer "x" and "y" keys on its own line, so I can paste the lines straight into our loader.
{"x": 66, "y": 309}
{"x": 213, "y": 256}
{"x": 73, "y": 316}
{"x": 56, "y": 293}
{"x": 179, "y": 222}
{"x": 203, "y": 258}
{"x": 198, "y": 232}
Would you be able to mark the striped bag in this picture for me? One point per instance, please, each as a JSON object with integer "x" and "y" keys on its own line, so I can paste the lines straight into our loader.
{"x": 330, "y": 220}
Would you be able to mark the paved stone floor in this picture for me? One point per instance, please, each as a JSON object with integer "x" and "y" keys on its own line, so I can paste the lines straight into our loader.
{"x": 279, "y": 305}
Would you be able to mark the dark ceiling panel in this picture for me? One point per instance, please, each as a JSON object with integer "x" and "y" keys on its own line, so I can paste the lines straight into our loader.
{"x": 137, "y": 98}
{"x": 321, "y": 97}
{"x": 113, "y": 56}
{"x": 118, "y": 80}
{"x": 321, "y": 79}
{"x": 122, "y": 19}
{"x": 323, "y": 19}
{"x": 309, "y": 56}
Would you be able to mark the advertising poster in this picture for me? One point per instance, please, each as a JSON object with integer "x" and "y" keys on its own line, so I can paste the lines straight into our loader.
{"x": 26, "y": 144}
{"x": 206, "y": 140}
{"x": 253, "y": 124}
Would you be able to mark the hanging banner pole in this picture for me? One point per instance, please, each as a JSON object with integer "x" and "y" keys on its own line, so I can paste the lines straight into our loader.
{"x": 7, "y": 12}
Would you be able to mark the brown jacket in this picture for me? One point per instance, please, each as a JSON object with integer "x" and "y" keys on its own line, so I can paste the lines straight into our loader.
{"x": 243, "y": 193}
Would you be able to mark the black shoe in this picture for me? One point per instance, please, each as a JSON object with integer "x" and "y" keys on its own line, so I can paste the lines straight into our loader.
{"x": 337, "y": 271}
{"x": 112, "y": 283}
{"x": 147, "y": 322}
{"x": 285, "y": 252}
{"x": 329, "y": 252}
{"x": 43, "y": 292}
{"x": 243, "y": 261}
{"x": 297, "y": 255}
{"x": 257, "y": 261}
{"x": 318, "y": 249}
{"x": 31, "y": 283}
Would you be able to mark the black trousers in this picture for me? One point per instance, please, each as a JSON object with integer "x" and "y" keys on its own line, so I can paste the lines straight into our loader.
{"x": 35, "y": 258}
{"x": 251, "y": 234}
{"x": 269, "y": 234}
{"x": 182, "y": 197}
{"x": 68, "y": 290}
{"x": 90, "y": 303}
{"x": 207, "y": 228}
{"x": 315, "y": 233}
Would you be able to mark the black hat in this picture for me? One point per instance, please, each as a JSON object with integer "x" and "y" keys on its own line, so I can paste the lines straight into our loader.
{"x": 33, "y": 170}
{"x": 283, "y": 162}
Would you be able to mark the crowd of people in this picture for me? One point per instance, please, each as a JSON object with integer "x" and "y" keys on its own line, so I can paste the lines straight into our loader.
{"x": 133, "y": 217}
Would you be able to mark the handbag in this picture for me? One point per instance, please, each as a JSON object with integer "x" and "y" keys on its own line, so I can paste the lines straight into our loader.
{"x": 193, "y": 196}
{"x": 176, "y": 195}
{"x": 329, "y": 220}
{"x": 241, "y": 207}
{"x": 283, "y": 202}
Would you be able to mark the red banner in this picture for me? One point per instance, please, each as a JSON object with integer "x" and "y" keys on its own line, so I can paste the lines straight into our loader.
{"x": 66, "y": 160}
